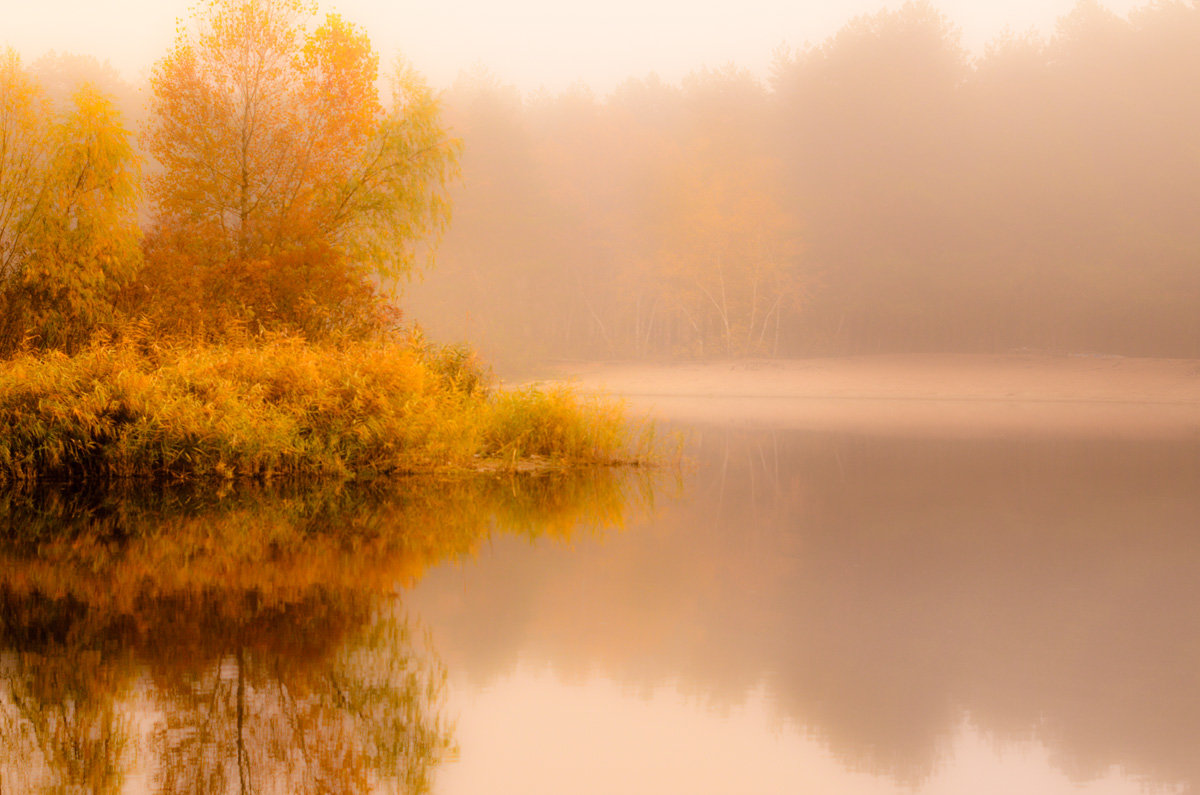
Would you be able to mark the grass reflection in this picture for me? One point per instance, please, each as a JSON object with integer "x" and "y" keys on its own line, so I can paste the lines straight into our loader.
{"x": 247, "y": 639}
{"x": 120, "y": 544}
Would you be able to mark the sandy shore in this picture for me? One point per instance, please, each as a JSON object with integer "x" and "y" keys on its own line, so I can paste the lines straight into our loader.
{"x": 938, "y": 394}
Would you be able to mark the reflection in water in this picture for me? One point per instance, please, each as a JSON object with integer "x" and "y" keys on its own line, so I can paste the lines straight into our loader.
{"x": 361, "y": 713}
{"x": 903, "y": 612}
{"x": 318, "y": 695}
{"x": 243, "y": 641}
{"x": 884, "y": 593}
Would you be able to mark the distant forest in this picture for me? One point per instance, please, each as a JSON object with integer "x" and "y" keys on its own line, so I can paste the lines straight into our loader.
{"x": 884, "y": 191}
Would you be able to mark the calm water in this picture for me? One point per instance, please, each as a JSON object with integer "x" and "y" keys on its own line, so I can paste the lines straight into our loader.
{"x": 795, "y": 612}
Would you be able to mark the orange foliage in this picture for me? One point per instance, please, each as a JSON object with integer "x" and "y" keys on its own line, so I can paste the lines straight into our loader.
{"x": 729, "y": 248}
{"x": 286, "y": 188}
{"x": 68, "y": 230}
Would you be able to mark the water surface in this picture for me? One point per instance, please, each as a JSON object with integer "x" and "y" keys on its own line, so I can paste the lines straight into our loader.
{"x": 796, "y": 610}
{"x": 849, "y": 613}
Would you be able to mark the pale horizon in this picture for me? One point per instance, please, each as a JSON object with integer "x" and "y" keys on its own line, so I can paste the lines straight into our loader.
{"x": 531, "y": 44}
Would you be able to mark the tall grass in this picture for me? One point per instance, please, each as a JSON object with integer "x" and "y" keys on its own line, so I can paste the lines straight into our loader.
{"x": 133, "y": 409}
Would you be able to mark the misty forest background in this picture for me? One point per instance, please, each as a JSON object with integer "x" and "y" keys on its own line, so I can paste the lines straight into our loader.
{"x": 883, "y": 191}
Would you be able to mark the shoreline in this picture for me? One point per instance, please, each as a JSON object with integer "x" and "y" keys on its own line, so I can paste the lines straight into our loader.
{"x": 288, "y": 408}
{"x": 915, "y": 394}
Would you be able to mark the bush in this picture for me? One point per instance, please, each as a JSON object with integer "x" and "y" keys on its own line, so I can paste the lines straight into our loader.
{"x": 134, "y": 408}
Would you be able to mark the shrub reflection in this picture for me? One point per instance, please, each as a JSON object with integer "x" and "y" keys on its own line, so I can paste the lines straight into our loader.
{"x": 249, "y": 639}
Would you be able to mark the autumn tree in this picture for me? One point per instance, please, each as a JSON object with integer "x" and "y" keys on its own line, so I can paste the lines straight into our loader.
{"x": 644, "y": 224}
{"x": 288, "y": 191}
{"x": 69, "y": 239}
{"x": 60, "y": 74}
{"x": 730, "y": 249}
{"x": 26, "y": 131}
{"x": 730, "y": 254}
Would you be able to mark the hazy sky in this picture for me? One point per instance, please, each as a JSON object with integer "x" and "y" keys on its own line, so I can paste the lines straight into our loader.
{"x": 527, "y": 42}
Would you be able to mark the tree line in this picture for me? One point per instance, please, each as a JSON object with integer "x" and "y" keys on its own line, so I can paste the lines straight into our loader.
{"x": 885, "y": 190}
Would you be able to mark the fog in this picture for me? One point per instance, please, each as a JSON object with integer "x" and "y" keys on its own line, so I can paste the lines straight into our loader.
{"x": 885, "y": 190}
{"x": 530, "y": 43}
{"x": 908, "y": 180}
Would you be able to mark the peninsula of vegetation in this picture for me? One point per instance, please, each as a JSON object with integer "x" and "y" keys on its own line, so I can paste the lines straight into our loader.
{"x": 239, "y": 322}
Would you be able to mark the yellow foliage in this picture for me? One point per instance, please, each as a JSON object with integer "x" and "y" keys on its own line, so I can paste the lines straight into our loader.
{"x": 132, "y": 600}
{"x": 69, "y": 239}
{"x": 287, "y": 188}
{"x": 729, "y": 246}
{"x": 281, "y": 407}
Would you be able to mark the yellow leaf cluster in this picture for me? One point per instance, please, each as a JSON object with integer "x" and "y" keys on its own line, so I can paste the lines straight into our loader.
{"x": 287, "y": 189}
{"x": 69, "y": 239}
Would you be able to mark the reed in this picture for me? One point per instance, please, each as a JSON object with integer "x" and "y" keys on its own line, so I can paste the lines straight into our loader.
{"x": 286, "y": 407}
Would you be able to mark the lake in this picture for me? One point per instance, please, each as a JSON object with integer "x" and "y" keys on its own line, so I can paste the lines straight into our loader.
{"x": 797, "y": 608}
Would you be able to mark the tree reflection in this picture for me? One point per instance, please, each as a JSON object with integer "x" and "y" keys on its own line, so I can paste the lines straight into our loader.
{"x": 366, "y": 718}
{"x": 243, "y": 641}
{"x": 883, "y": 592}
{"x": 58, "y": 720}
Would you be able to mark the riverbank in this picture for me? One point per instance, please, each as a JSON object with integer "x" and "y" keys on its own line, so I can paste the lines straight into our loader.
{"x": 286, "y": 407}
{"x": 944, "y": 394}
